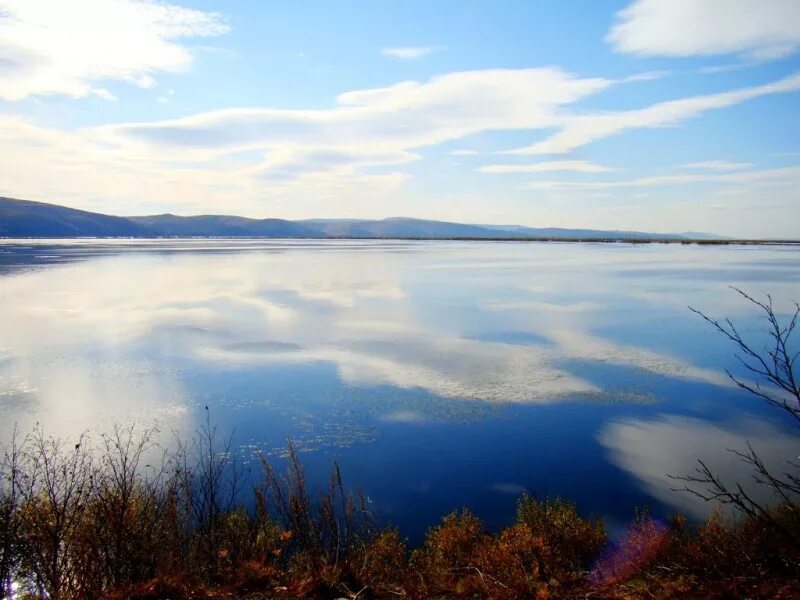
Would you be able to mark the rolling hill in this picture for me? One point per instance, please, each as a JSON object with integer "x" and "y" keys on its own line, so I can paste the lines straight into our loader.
{"x": 24, "y": 218}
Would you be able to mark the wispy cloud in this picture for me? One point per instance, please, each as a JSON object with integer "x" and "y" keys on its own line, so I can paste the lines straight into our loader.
{"x": 579, "y": 130}
{"x": 410, "y": 52}
{"x": 463, "y": 152}
{"x": 718, "y": 165}
{"x": 300, "y": 156}
{"x": 780, "y": 176}
{"x": 54, "y": 47}
{"x": 380, "y": 121}
{"x": 727, "y": 68}
{"x": 646, "y": 76}
{"x": 104, "y": 94}
{"x": 581, "y": 166}
{"x": 757, "y": 29}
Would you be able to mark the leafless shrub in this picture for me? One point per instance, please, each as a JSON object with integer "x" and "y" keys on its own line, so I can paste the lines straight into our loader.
{"x": 55, "y": 487}
{"x": 206, "y": 482}
{"x": 325, "y": 529}
{"x": 774, "y": 381}
{"x": 10, "y": 539}
{"x": 128, "y": 507}
{"x": 772, "y": 366}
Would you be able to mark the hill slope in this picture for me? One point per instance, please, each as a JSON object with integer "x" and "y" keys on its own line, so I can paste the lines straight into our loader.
{"x": 23, "y": 218}
{"x": 222, "y": 225}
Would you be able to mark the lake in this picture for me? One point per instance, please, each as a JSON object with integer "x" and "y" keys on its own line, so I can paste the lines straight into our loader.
{"x": 438, "y": 374}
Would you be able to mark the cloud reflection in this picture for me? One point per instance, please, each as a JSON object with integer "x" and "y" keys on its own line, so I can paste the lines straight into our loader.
{"x": 412, "y": 316}
{"x": 652, "y": 450}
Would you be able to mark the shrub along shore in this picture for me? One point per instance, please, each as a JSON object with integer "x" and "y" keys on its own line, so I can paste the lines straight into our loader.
{"x": 79, "y": 521}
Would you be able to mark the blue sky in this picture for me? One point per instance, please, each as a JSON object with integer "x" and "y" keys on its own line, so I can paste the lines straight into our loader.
{"x": 650, "y": 115}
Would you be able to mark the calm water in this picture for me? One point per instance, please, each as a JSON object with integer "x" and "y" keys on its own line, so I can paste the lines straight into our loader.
{"x": 439, "y": 374}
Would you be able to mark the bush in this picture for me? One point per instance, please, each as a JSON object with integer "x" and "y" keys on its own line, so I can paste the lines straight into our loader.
{"x": 381, "y": 563}
{"x": 446, "y": 560}
{"x": 572, "y": 540}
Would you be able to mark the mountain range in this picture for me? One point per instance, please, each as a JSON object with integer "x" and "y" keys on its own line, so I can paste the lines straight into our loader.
{"x": 25, "y": 218}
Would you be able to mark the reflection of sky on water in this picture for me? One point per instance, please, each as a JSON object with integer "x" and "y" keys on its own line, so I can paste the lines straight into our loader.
{"x": 652, "y": 450}
{"x": 439, "y": 373}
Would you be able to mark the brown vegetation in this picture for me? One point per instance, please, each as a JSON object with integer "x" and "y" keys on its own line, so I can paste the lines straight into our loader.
{"x": 81, "y": 522}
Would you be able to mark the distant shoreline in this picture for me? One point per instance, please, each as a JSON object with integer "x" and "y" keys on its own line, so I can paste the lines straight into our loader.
{"x": 700, "y": 242}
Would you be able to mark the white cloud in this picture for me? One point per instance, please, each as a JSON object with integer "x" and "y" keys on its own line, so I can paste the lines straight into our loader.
{"x": 53, "y": 165}
{"x": 758, "y": 29}
{"x": 72, "y": 169}
{"x": 759, "y": 203}
{"x": 288, "y": 164}
{"x": 784, "y": 176}
{"x": 325, "y": 154}
{"x": 464, "y": 152}
{"x": 646, "y": 76}
{"x": 718, "y": 165}
{"x": 56, "y": 47}
{"x": 579, "y": 130}
{"x": 406, "y": 115}
{"x": 104, "y": 94}
{"x": 368, "y": 128}
{"x": 581, "y": 166}
{"x": 726, "y": 68}
{"x": 409, "y": 52}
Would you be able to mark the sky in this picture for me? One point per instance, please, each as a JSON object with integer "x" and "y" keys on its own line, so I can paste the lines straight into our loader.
{"x": 651, "y": 115}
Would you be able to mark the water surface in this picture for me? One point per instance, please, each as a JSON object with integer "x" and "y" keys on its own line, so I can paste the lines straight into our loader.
{"x": 438, "y": 374}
